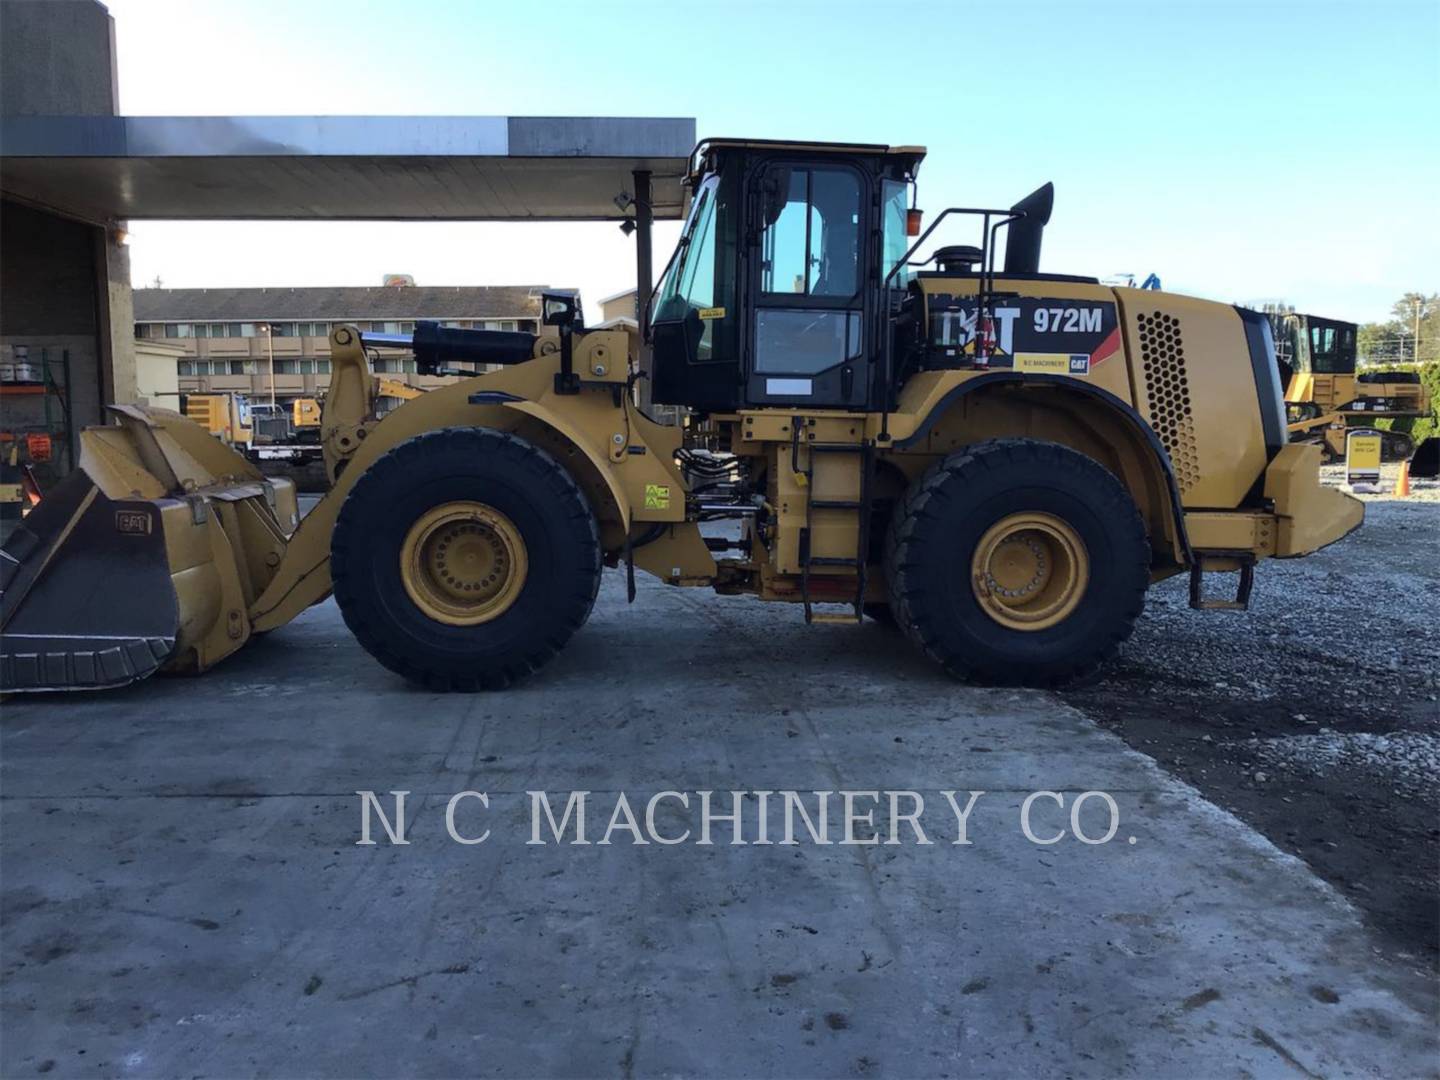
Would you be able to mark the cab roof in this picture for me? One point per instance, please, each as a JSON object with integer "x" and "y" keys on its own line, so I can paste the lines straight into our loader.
{"x": 912, "y": 155}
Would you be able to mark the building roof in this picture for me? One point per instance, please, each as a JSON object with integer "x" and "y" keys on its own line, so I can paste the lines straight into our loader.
{"x": 478, "y": 168}
{"x": 335, "y": 303}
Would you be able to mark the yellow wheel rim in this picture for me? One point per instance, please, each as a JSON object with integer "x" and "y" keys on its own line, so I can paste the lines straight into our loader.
{"x": 463, "y": 563}
{"x": 1029, "y": 571}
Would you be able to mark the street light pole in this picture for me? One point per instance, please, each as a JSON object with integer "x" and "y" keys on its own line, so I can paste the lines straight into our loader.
{"x": 1416, "y": 346}
{"x": 270, "y": 354}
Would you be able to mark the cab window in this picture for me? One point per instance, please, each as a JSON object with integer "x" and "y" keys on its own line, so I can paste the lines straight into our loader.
{"x": 697, "y": 284}
{"x": 812, "y": 246}
{"x": 894, "y": 241}
{"x": 807, "y": 316}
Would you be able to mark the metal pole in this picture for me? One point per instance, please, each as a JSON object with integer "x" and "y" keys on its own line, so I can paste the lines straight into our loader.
{"x": 270, "y": 352}
{"x": 644, "y": 216}
{"x": 1416, "y": 347}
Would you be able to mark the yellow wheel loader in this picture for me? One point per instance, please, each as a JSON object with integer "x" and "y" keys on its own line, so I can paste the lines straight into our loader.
{"x": 997, "y": 459}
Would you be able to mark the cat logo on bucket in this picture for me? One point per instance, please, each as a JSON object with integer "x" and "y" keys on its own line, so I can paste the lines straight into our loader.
{"x": 132, "y": 522}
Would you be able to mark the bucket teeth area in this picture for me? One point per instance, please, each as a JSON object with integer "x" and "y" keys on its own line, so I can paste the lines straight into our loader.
{"x": 56, "y": 663}
{"x": 86, "y": 600}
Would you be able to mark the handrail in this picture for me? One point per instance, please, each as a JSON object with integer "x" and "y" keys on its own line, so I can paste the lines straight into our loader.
{"x": 987, "y": 273}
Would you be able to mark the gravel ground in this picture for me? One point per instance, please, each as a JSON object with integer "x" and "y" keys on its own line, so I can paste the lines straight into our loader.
{"x": 1313, "y": 716}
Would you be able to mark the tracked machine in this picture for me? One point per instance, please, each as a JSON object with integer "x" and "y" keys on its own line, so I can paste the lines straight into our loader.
{"x": 996, "y": 459}
{"x": 1325, "y": 397}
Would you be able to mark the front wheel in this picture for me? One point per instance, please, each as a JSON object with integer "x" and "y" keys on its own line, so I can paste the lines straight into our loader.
{"x": 1017, "y": 562}
{"x": 465, "y": 558}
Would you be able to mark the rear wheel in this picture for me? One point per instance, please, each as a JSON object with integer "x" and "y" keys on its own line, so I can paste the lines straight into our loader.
{"x": 1017, "y": 562}
{"x": 465, "y": 558}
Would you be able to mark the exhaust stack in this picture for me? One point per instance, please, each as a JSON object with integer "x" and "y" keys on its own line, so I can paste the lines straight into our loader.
{"x": 1022, "y": 245}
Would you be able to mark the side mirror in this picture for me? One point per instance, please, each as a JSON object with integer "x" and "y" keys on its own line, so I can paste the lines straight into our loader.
{"x": 775, "y": 193}
{"x": 559, "y": 309}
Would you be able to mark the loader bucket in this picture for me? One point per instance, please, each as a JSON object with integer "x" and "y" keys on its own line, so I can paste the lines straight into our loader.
{"x": 148, "y": 556}
{"x": 85, "y": 595}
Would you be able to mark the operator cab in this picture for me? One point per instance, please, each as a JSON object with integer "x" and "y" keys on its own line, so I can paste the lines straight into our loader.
{"x": 1315, "y": 345}
{"x": 773, "y": 295}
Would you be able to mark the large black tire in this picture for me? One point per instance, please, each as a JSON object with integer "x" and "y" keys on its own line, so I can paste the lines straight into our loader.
{"x": 936, "y": 530}
{"x": 499, "y": 470}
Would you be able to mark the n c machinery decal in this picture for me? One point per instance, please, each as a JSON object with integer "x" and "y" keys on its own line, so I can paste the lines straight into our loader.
{"x": 1027, "y": 333}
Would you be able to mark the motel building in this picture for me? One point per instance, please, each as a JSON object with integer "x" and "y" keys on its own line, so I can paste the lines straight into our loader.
{"x": 227, "y": 340}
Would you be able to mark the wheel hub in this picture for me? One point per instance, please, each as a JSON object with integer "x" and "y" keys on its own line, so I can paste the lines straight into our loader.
{"x": 1029, "y": 571}
{"x": 463, "y": 563}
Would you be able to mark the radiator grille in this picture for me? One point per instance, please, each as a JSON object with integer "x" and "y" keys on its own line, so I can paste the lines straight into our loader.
{"x": 1167, "y": 390}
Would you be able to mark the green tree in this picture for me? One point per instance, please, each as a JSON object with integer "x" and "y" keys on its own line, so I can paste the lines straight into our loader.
{"x": 1394, "y": 340}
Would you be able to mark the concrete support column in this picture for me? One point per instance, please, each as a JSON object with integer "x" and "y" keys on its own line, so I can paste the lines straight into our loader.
{"x": 116, "y": 320}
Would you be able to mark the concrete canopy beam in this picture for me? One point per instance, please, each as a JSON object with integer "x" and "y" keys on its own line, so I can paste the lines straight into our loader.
{"x": 478, "y": 168}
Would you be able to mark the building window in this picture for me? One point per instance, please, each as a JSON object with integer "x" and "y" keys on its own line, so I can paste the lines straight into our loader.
{"x": 244, "y": 329}
{"x": 239, "y": 367}
{"x": 284, "y": 329}
{"x": 307, "y": 367}
{"x": 287, "y": 367}
{"x": 322, "y": 367}
{"x": 407, "y": 328}
{"x": 187, "y": 367}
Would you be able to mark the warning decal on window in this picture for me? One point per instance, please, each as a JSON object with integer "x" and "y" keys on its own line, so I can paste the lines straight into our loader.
{"x": 712, "y": 313}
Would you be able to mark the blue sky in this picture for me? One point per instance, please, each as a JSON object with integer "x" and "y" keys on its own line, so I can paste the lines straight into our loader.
{"x": 1243, "y": 151}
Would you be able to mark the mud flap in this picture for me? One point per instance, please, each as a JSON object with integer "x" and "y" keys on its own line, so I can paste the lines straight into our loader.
{"x": 86, "y": 599}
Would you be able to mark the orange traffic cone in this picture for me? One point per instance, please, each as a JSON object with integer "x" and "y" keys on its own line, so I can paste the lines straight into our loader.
{"x": 1402, "y": 485}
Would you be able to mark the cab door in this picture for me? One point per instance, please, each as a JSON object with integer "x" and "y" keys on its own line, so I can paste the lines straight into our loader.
{"x": 807, "y": 254}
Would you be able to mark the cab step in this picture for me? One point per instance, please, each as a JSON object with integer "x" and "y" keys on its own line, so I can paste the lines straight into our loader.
{"x": 836, "y": 618}
{"x": 1199, "y": 602}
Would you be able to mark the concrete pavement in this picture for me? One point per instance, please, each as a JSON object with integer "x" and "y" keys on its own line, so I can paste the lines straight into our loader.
{"x": 183, "y": 892}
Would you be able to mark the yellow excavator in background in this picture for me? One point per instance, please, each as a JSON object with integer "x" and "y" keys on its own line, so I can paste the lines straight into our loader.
{"x": 393, "y": 388}
{"x": 224, "y": 415}
{"x": 1000, "y": 460}
{"x": 305, "y": 416}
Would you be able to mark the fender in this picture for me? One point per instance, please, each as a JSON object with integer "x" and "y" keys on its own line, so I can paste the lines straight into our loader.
{"x": 551, "y": 419}
{"x": 303, "y": 576}
{"x": 1119, "y": 407}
